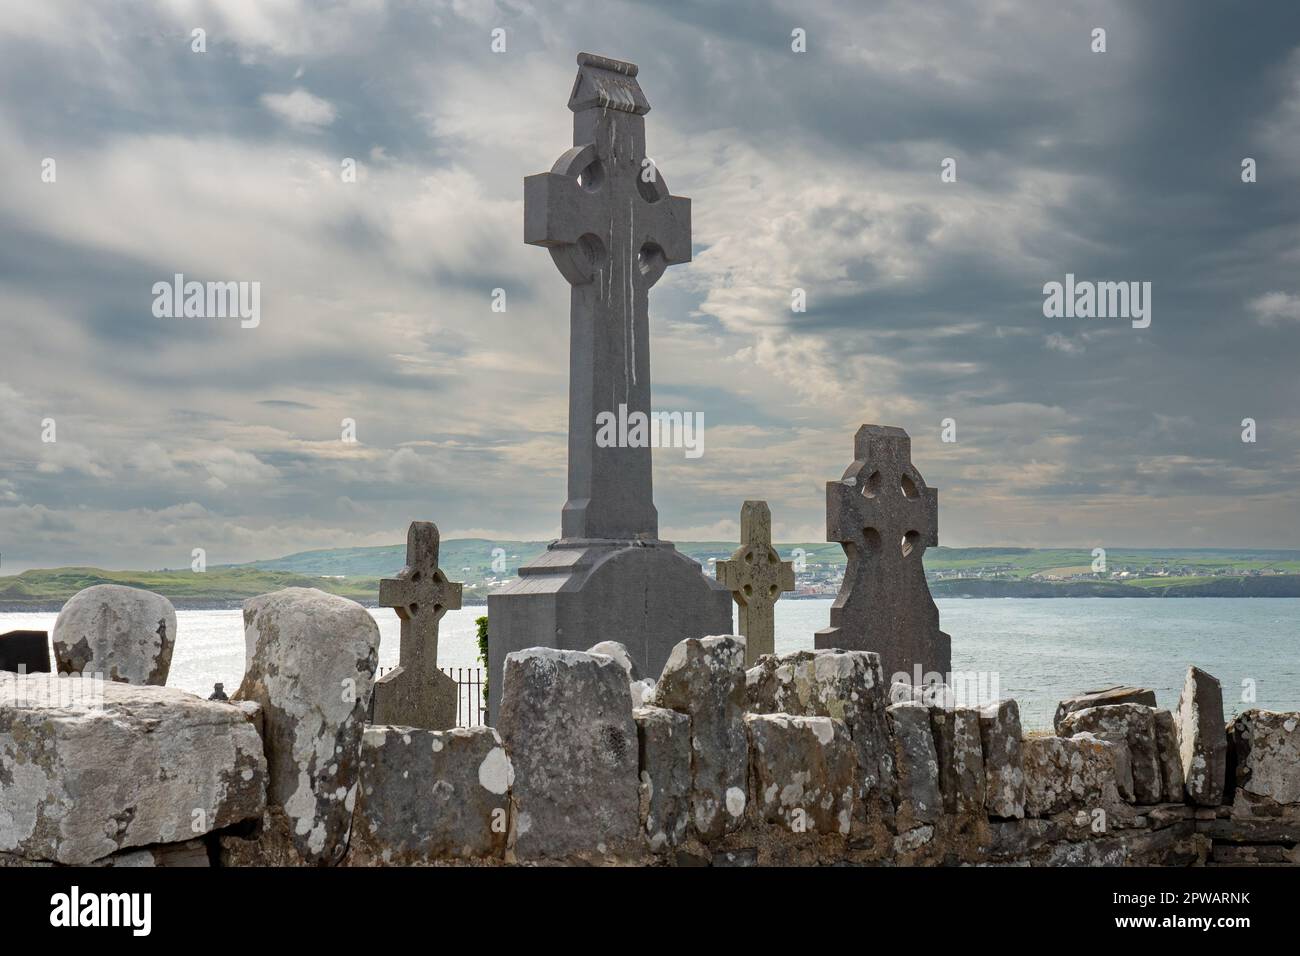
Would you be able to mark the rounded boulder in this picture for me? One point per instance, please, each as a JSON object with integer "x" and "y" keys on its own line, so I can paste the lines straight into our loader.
{"x": 125, "y": 634}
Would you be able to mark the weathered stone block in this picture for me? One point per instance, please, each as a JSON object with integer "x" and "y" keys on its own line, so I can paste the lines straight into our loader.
{"x": 1267, "y": 750}
{"x": 126, "y": 634}
{"x": 1202, "y": 738}
{"x": 88, "y": 768}
{"x": 1004, "y": 772}
{"x": 1118, "y": 694}
{"x": 1068, "y": 773}
{"x": 917, "y": 765}
{"x": 942, "y": 732}
{"x": 961, "y": 759}
{"x": 1123, "y": 766}
{"x": 1244, "y": 826}
{"x": 566, "y": 719}
{"x": 1135, "y": 724}
{"x": 705, "y": 679}
{"x": 428, "y": 795}
{"x": 844, "y": 685}
{"x": 311, "y": 664}
{"x": 803, "y": 772}
{"x": 1276, "y": 855}
{"x": 1171, "y": 764}
{"x": 664, "y": 759}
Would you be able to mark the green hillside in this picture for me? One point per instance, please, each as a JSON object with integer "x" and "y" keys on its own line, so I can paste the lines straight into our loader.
{"x": 56, "y": 585}
{"x": 953, "y": 572}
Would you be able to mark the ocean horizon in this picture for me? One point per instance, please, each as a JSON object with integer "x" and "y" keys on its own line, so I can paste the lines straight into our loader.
{"x": 1036, "y": 651}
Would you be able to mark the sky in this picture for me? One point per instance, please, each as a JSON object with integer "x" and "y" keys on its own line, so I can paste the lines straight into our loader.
{"x": 818, "y": 170}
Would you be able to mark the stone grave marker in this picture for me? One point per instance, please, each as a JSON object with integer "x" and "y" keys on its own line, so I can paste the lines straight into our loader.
{"x": 756, "y": 576}
{"x": 605, "y": 215}
{"x": 416, "y": 693}
{"x": 885, "y": 516}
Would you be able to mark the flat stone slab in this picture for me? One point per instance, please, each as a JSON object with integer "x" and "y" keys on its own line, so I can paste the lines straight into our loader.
{"x": 664, "y": 745}
{"x": 1119, "y": 694}
{"x": 125, "y": 634}
{"x": 1202, "y": 738}
{"x": 311, "y": 664}
{"x": 1004, "y": 769}
{"x": 804, "y": 771}
{"x": 566, "y": 719}
{"x": 1171, "y": 764}
{"x": 957, "y": 743}
{"x": 89, "y": 768}
{"x": 917, "y": 763}
{"x": 428, "y": 795}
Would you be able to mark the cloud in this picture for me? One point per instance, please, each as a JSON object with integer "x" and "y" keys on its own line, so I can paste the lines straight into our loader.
{"x": 300, "y": 109}
{"x": 1060, "y": 343}
{"x": 1275, "y": 307}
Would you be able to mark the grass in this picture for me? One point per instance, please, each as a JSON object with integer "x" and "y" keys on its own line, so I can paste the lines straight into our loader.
{"x": 215, "y": 584}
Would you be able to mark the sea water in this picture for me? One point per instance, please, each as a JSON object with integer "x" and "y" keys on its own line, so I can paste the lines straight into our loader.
{"x": 1036, "y": 651}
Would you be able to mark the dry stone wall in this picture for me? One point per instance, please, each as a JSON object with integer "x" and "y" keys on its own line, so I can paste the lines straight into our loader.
{"x": 799, "y": 760}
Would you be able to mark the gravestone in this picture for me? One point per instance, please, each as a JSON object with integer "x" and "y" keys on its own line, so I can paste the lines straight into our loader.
{"x": 612, "y": 228}
{"x": 29, "y": 650}
{"x": 416, "y": 693}
{"x": 756, "y": 576}
{"x": 885, "y": 516}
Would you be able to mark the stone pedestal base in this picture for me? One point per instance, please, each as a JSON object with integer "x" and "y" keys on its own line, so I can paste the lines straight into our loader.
{"x": 644, "y": 594}
{"x": 406, "y": 699}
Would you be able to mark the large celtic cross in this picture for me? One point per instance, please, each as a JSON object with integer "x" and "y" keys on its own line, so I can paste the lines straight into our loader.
{"x": 612, "y": 229}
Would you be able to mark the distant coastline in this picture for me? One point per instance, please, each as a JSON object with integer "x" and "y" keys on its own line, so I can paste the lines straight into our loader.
{"x": 484, "y": 565}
